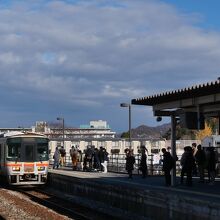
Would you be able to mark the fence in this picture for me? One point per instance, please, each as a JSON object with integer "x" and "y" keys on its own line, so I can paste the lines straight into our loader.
{"x": 116, "y": 164}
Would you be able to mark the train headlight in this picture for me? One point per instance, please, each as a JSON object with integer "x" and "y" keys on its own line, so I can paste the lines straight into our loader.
{"x": 15, "y": 168}
{"x": 41, "y": 168}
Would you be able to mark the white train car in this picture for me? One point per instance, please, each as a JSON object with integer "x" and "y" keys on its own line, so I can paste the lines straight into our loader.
{"x": 24, "y": 158}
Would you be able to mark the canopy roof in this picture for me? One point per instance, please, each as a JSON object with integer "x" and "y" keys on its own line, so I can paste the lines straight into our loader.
{"x": 203, "y": 98}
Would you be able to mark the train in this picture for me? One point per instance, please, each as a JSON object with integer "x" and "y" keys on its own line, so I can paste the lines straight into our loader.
{"x": 24, "y": 158}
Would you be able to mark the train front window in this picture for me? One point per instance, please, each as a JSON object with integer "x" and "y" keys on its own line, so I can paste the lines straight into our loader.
{"x": 29, "y": 152}
{"x": 42, "y": 149}
{"x": 42, "y": 152}
{"x": 27, "y": 149}
{"x": 14, "y": 149}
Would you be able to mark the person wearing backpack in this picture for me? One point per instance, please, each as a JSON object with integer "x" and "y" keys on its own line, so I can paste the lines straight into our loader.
{"x": 62, "y": 156}
{"x": 168, "y": 163}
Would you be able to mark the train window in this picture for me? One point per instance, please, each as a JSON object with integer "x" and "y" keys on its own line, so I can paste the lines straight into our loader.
{"x": 28, "y": 140}
{"x": 29, "y": 152}
{"x": 14, "y": 151}
{"x": 42, "y": 140}
{"x": 42, "y": 151}
{"x": 14, "y": 141}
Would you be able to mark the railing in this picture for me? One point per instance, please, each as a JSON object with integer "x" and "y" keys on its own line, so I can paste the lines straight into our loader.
{"x": 116, "y": 164}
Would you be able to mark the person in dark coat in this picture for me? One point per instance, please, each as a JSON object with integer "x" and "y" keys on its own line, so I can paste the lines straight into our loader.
{"x": 56, "y": 158}
{"x": 143, "y": 162}
{"x": 87, "y": 163}
{"x": 62, "y": 156}
{"x": 189, "y": 164}
{"x": 200, "y": 161}
{"x": 194, "y": 150}
{"x": 168, "y": 162}
{"x": 101, "y": 157}
{"x": 182, "y": 163}
{"x": 96, "y": 162}
{"x": 130, "y": 161}
{"x": 211, "y": 164}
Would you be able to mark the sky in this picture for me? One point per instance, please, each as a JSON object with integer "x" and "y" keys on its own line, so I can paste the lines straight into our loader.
{"x": 79, "y": 59}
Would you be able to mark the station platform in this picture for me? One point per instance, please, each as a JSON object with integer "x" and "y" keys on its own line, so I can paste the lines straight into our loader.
{"x": 140, "y": 198}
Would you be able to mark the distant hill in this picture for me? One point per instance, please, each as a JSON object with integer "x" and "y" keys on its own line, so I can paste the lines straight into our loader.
{"x": 144, "y": 131}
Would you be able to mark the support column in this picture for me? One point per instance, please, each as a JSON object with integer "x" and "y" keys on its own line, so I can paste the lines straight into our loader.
{"x": 198, "y": 117}
{"x": 218, "y": 125}
{"x": 173, "y": 148}
{"x": 129, "y": 107}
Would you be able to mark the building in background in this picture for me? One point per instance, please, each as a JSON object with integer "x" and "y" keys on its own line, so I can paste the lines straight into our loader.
{"x": 98, "y": 133}
{"x": 96, "y": 129}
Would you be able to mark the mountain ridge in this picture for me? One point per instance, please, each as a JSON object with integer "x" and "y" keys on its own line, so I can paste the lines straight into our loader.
{"x": 145, "y": 131}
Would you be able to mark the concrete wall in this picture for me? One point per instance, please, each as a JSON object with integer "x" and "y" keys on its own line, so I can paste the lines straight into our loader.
{"x": 113, "y": 144}
{"x": 132, "y": 202}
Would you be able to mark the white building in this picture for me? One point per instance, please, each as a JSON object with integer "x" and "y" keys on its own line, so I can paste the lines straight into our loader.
{"x": 98, "y": 133}
{"x": 99, "y": 124}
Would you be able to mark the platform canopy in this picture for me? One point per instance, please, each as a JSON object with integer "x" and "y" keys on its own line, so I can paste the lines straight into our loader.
{"x": 202, "y": 98}
{"x": 195, "y": 103}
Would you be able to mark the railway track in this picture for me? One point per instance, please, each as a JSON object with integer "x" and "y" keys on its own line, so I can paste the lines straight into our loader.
{"x": 60, "y": 205}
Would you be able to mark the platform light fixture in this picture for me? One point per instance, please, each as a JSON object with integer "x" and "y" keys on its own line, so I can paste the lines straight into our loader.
{"x": 62, "y": 119}
{"x": 127, "y": 105}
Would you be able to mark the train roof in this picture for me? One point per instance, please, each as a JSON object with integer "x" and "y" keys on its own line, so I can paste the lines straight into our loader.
{"x": 20, "y": 133}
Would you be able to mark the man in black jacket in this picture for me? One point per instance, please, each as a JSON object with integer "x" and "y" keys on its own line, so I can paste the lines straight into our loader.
{"x": 168, "y": 163}
{"x": 200, "y": 160}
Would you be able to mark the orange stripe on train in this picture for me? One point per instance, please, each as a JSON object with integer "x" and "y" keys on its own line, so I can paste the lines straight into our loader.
{"x": 25, "y": 164}
{"x": 12, "y": 165}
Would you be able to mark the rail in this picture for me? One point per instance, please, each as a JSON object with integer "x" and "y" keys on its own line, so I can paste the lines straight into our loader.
{"x": 60, "y": 203}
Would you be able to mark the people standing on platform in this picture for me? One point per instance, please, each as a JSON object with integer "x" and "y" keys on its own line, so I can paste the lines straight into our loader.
{"x": 194, "y": 150}
{"x": 62, "y": 156}
{"x": 56, "y": 158}
{"x": 87, "y": 162}
{"x": 79, "y": 159}
{"x": 200, "y": 158}
{"x": 73, "y": 155}
{"x": 130, "y": 161}
{"x": 168, "y": 163}
{"x": 170, "y": 150}
{"x": 84, "y": 160}
{"x": 96, "y": 161}
{"x": 101, "y": 157}
{"x": 143, "y": 162}
{"x": 188, "y": 163}
{"x": 212, "y": 159}
{"x": 182, "y": 163}
{"x": 105, "y": 160}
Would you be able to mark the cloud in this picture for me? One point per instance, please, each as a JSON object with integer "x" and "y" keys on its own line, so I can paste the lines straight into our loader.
{"x": 72, "y": 56}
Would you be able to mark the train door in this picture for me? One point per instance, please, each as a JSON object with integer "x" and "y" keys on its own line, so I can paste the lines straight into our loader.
{"x": 28, "y": 152}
